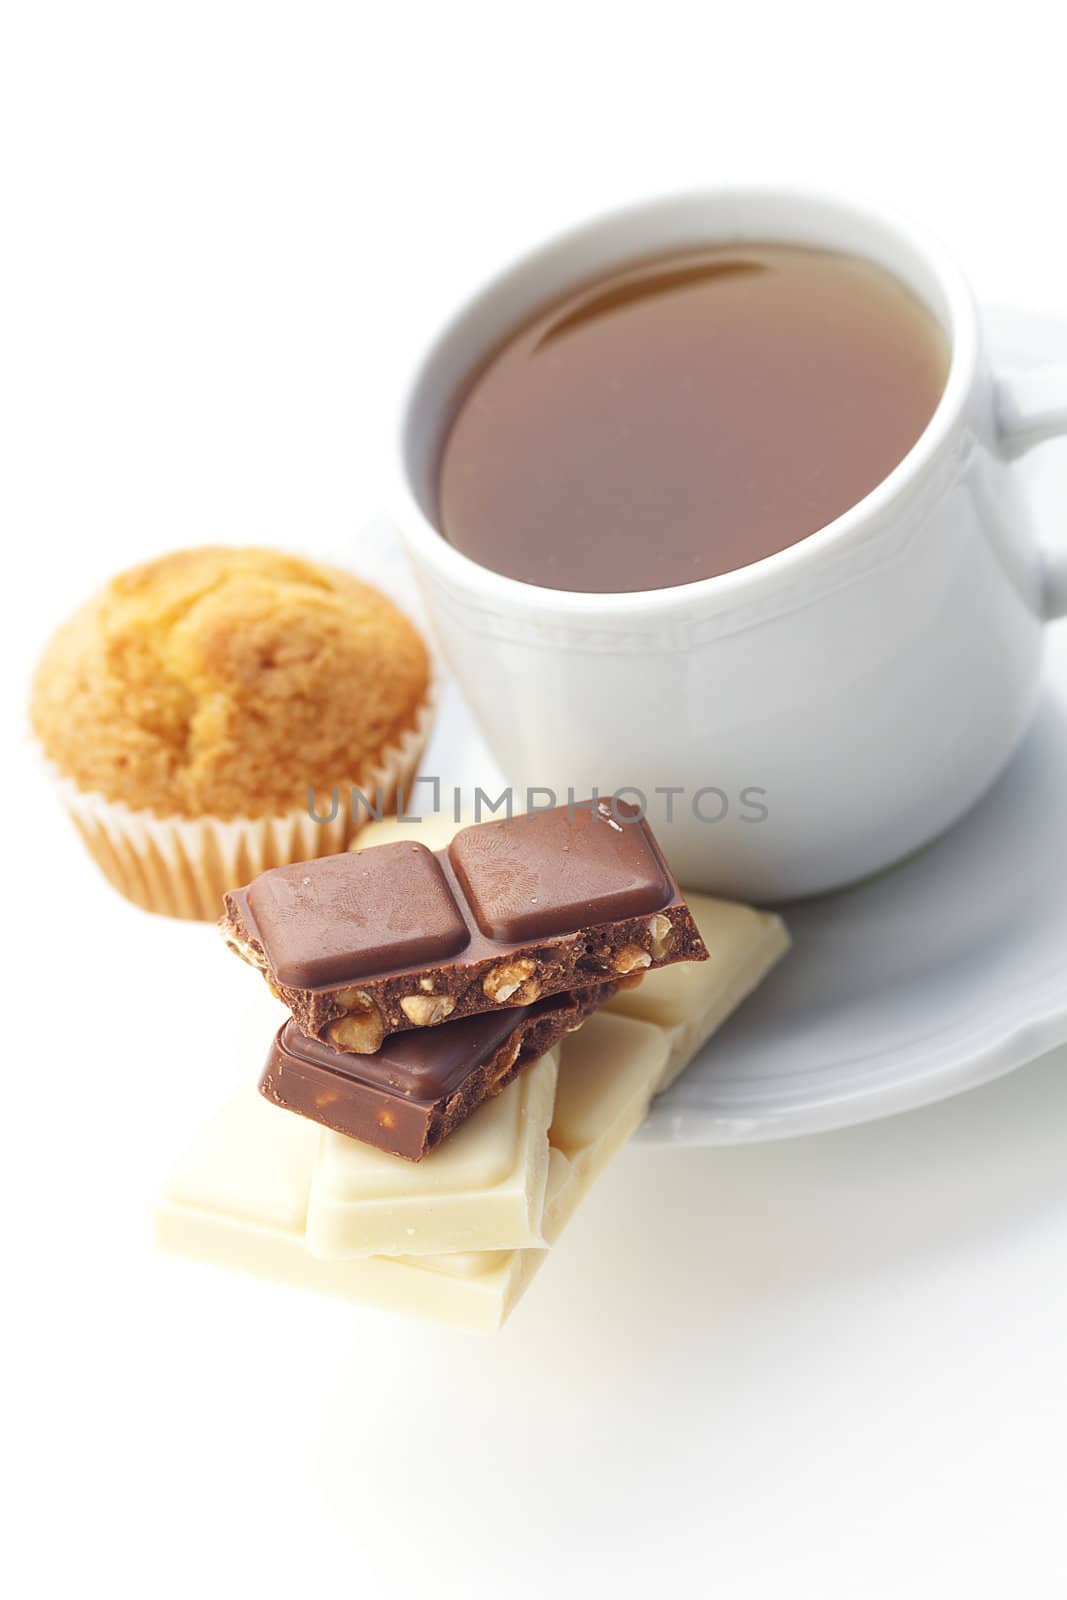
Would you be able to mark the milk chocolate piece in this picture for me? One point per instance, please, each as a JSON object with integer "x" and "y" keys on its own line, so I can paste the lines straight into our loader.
{"x": 381, "y": 940}
{"x": 420, "y": 1085}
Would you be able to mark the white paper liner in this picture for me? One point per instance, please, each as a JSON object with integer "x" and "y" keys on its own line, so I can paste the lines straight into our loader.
{"x": 182, "y": 867}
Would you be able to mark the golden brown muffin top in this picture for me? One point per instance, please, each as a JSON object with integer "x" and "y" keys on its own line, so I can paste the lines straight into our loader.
{"x": 224, "y": 682}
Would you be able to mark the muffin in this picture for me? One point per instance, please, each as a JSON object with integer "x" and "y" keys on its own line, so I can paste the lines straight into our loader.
{"x": 188, "y": 709}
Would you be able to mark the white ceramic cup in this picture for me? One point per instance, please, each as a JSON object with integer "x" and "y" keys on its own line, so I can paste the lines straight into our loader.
{"x": 823, "y": 712}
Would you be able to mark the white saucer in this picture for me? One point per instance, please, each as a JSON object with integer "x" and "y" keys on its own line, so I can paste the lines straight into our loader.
{"x": 941, "y": 974}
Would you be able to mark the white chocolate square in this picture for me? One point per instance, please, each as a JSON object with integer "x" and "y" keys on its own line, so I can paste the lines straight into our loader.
{"x": 483, "y": 1188}
{"x": 251, "y": 1165}
{"x": 235, "y": 1200}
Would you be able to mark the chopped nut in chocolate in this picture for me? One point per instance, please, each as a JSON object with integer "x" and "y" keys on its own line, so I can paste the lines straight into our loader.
{"x": 421, "y": 1085}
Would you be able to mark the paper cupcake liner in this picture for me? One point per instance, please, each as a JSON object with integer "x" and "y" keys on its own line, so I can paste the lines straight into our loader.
{"x": 182, "y": 867}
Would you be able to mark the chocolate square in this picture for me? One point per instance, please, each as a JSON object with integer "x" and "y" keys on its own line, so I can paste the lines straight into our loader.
{"x": 334, "y": 919}
{"x": 553, "y": 871}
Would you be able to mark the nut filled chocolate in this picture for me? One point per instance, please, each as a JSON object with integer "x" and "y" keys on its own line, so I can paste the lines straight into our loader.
{"x": 419, "y": 1086}
{"x": 378, "y": 941}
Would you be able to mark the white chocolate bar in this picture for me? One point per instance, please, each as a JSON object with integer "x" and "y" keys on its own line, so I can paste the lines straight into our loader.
{"x": 239, "y": 1199}
{"x": 482, "y": 1188}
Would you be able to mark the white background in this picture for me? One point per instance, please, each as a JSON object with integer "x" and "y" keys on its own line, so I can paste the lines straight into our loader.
{"x": 833, "y": 1368}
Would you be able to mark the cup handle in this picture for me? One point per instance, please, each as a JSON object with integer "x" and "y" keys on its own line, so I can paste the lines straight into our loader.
{"x": 1030, "y": 408}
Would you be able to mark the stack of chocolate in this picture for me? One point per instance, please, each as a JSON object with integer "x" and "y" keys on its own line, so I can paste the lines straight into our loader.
{"x": 421, "y": 983}
{"x": 436, "y": 998}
